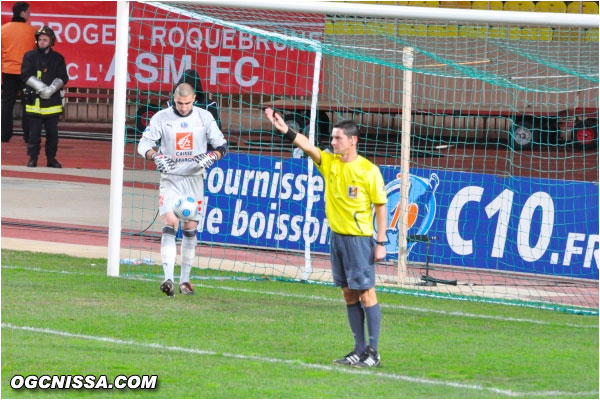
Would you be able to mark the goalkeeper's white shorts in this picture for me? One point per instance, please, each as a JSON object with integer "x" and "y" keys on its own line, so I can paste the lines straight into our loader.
{"x": 174, "y": 187}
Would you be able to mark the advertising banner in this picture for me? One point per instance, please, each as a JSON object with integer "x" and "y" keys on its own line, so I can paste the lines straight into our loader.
{"x": 163, "y": 45}
{"x": 482, "y": 221}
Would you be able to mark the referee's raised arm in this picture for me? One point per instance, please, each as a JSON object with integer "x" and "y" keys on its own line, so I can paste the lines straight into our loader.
{"x": 292, "y": 136}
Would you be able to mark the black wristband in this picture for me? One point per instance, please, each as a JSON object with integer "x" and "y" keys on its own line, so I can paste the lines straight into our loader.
{"x": 380, "y": 243}
{"x": 222, "y": 149}
{"x": 290, "y": 135}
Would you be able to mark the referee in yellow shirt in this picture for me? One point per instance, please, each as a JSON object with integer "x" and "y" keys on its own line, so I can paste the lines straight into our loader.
{"x": 352, "y": 186}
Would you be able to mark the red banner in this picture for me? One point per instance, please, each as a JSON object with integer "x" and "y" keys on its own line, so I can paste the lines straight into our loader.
{"x": 162, "y": 45}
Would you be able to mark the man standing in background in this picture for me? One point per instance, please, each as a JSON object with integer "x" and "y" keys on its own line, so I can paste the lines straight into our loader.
{"x": 44, "y": 73}
{"x": 18, "y": 37}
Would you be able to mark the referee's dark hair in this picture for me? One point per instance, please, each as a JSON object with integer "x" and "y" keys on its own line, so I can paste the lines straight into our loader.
{"x": 349, "y": 127}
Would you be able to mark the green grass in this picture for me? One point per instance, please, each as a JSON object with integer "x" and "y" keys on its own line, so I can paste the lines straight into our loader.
{"x": 268, "y": 339}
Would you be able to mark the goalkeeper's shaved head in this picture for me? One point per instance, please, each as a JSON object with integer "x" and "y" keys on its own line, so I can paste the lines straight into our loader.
{"x": 184, "y": 90}
{"x": 183, "y": 98}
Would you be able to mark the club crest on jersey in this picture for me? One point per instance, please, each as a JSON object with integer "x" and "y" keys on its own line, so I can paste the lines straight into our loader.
{"x": 183, "y": 141}
{"x": 353, "y": 192}
{"x": 184, "y": 125}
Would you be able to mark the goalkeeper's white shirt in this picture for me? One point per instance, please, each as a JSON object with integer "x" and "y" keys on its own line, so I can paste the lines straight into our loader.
{"x": 181, "y": 138}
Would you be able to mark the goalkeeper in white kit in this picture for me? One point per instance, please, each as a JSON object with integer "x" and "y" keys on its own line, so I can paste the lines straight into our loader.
{"x": 176, "y": 139}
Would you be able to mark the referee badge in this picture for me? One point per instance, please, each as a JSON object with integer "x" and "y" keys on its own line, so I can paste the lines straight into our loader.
{"x": 353, "y": 192}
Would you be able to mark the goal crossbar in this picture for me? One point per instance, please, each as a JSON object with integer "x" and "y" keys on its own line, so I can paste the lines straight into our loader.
{"x": 420, "y": 13}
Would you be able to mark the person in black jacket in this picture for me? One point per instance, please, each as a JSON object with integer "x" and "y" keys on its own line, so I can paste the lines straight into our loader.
{"x": 44, "y": 73}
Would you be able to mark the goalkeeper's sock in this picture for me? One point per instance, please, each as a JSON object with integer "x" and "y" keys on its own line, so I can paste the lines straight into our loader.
{"x": 188, "y": 252}
{"x": 168, "y": 251}
{"x": 373, "y": 314}
{"x": 356, "y": 318}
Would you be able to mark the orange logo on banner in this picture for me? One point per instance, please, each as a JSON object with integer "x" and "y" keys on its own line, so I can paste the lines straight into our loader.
{"x": 183, "y": 141}
{"x": 413, "y": 212}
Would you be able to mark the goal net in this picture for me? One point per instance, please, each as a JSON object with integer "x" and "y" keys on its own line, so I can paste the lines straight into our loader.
{"x": 486, "y": 134}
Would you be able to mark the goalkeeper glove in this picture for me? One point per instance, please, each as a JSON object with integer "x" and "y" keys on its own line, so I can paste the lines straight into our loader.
{"x": 164, "y": 164}
{"x": 206, "y": 160}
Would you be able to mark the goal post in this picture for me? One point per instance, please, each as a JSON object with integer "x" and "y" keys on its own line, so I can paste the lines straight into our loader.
{"x": 118, "y": 139}
{"x": 483, "y": 125}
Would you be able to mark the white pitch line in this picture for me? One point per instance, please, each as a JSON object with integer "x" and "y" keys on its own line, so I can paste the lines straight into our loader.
{"x": 459, "y": 314}
{"x": 271, "y": 360}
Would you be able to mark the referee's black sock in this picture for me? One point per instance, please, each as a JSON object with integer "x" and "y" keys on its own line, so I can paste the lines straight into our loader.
{"x": 373, "y": 314}
{"x": 356, "y": 318}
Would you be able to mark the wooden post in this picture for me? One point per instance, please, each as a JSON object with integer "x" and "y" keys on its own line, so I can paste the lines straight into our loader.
{"x": 407, "y": 60}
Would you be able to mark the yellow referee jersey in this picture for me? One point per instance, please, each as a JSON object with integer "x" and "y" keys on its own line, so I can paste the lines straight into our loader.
{"x": 350, "y": 190}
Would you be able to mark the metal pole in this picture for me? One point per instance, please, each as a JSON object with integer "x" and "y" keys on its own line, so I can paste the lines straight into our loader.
{"x": 311, "y": 137}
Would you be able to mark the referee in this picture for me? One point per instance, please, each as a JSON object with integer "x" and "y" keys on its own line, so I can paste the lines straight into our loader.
{"x": 353, "y": 185}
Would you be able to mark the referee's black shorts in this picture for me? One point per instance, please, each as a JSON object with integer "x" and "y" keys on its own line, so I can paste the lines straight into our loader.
{"x": 352, "y": 261}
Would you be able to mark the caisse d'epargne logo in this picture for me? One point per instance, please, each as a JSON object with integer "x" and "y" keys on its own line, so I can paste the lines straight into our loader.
{"x": 183, "y": 141}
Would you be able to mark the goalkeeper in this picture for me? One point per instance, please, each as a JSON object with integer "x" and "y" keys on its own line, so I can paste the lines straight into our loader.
{"x": 353, "y": 185}
{"x": 182, "y": 133}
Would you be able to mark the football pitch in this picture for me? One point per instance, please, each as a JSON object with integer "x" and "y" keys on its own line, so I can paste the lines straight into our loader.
{"x": 244, "y": 338}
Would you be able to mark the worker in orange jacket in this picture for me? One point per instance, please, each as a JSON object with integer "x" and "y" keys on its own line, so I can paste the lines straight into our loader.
{"x": 18, "y": 37}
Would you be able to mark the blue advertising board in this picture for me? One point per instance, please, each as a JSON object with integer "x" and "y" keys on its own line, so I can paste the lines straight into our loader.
{"x": 516, "y": 224}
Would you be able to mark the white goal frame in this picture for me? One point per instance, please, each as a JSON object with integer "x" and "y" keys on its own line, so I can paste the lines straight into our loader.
{"x": 321, "y": 7}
